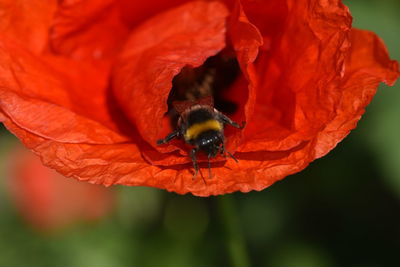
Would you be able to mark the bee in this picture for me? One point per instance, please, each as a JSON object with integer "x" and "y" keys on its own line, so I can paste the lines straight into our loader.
{"x": 192, "y": 112}
{"x": 201, "y": 126}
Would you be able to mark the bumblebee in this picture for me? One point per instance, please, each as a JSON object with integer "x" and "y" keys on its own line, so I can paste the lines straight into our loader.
{"x": 191, "y": 107}
{"x": 201, "y": 126}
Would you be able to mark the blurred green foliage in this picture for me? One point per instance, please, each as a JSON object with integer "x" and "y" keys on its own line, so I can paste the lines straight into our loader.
{"x": 343, "y": 210}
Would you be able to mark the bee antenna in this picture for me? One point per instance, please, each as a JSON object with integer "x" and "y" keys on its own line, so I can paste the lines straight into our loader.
{"x": 209, "y": 166}
{"x": 230, "y": 154}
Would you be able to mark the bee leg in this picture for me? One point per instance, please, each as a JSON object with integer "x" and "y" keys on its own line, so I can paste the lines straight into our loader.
{"x": 227, "y": 120}
{"x": 209, "y": 167}
{"x": 223, "y": 151}
{"x": 168, "y": 138}
{"x": 230, "y": 154}
{"x": 195, "y": 165}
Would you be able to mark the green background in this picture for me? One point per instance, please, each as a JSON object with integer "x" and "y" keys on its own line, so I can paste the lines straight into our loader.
{"x": 343, "y": 210}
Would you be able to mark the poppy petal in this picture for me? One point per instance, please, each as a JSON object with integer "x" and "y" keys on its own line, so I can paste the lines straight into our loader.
{"x": 367, "y": 64}
{"x": 37, "y": 98}
{"x": 298, "y": 74}
{"x": 246, "y": 40}
{"x": 156, "y": 51}
{"x": 134, "y": 12}
{"x": 99, "y": 164}
{"x": 245, "y": 37}
{"x": 27, "y": 22}
{"x": 123, "y": 164}
{"x": 89, "y": 29}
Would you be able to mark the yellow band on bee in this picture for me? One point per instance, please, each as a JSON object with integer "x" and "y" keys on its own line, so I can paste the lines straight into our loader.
{"x": 193, "y": 131}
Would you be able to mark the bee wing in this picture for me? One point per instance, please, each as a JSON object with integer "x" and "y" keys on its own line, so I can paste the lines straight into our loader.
{"x": 207, "y": 100}
{"x": 181, "y": 106}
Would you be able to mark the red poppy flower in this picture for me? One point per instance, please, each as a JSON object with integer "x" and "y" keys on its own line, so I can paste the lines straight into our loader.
{"x": 50, "y": 201}
{"x": 85, "y": 85}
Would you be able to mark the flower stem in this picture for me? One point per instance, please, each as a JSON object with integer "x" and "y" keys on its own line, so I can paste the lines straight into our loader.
{"x": 233, "y": 233}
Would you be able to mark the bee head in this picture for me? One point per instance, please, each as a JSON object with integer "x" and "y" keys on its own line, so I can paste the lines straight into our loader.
{"x": 210, "y": 142}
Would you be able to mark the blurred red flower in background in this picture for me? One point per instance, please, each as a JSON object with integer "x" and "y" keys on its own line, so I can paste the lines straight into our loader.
{"x": 85, "y": 85}
{"x": 50, "y": 201}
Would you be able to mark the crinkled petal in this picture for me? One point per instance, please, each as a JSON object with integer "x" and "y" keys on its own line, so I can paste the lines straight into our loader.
{"x": 123, "y": 164}
{"x": 87, "y": 29}
{"x": 318, "y": 79}
{"x": 42, "y": 100}
{"x": 27, "y": 22}
{"x": 156, "y": 51}
{"x": 133, "y": 12}
{"x": 298, "y": 74}
{"x": 245, "y": 37}
{"x": 246, "y": 40}
{"x": 367, "y": 65}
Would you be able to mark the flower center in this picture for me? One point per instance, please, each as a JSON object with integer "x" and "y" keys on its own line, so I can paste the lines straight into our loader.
{"x": 214, "y": 78}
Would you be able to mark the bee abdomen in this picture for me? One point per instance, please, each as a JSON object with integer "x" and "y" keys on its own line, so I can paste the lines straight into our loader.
{"x": 194, "y": 130}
